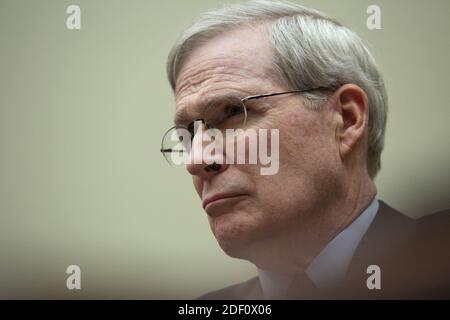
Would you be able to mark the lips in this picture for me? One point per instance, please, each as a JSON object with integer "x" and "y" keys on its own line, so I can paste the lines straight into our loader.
{"x": 220, "y": 196}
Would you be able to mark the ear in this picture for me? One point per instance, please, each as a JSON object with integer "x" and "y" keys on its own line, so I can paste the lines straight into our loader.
{"x": 352, "y": 107}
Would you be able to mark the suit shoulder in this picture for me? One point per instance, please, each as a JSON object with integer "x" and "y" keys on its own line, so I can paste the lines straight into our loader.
{"x": 435, "y": 227}
{"x": 437, "y": 218}
{"x": 237, "y": 291}
{"x": 428, "y": 225}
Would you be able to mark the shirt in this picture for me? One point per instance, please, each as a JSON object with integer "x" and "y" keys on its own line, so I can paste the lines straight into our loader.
{"x": 330, "y": 266}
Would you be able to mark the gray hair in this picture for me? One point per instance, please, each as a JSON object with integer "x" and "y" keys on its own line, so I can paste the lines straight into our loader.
{"x": 310, "y": 50}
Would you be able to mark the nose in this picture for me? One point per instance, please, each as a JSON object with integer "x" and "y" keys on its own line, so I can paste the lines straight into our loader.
{"x": 206, "y": 171}
{"x": 204, "y": 164}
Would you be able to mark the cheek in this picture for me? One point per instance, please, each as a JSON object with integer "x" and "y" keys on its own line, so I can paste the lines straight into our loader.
{"x": 306, "y": 153}
{"x": 306, "y": 137}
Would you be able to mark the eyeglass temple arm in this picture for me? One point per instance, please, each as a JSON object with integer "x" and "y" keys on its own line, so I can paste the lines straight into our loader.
{"x": 280, "y": 93}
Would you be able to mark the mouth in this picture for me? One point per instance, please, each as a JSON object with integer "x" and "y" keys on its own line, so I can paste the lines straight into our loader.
{"x": 220, "y": 197}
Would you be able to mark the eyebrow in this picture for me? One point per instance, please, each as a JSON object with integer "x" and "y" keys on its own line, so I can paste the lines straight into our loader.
{"x": 183, "y": 116}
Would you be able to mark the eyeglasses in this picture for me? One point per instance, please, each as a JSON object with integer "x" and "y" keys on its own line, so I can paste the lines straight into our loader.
{"x": 228, "y": 115}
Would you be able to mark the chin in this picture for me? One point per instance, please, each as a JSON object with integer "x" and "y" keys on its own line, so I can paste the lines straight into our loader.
{"x": 234, "y": 234}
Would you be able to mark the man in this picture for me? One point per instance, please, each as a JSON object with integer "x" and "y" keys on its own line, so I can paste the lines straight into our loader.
{"x": 315, "y": 229}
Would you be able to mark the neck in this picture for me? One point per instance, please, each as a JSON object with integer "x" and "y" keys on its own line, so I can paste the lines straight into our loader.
{"x": 296, "y": 249}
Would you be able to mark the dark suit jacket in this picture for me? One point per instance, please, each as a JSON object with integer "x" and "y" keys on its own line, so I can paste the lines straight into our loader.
{"x": 413, "y": 256}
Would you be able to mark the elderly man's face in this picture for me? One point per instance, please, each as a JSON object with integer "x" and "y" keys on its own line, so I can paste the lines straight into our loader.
{"x": 260, "y": 209}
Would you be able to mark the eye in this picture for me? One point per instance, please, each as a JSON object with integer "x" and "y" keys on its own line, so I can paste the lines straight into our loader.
{"x": 225, "y": 116}
{"x": 233, "y": 111}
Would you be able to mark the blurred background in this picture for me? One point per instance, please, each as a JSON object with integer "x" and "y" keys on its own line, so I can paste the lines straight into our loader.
{"x": 82, "y": 113}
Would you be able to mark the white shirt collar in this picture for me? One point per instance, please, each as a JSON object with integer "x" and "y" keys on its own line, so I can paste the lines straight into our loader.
{"x": 330, "y": 266}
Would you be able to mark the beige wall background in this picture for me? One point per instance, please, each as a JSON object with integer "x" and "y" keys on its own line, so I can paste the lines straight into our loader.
{"x": 81, "y": 116}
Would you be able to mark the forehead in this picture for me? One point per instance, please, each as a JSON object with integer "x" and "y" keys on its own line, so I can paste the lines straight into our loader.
{"x": 237, "y": 62}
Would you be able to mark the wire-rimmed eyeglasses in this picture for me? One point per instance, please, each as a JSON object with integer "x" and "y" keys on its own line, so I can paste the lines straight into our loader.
{"x": 178, "y": 139}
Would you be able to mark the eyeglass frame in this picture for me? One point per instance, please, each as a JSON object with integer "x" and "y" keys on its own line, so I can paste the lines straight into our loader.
{"x": 252, "y": 97}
